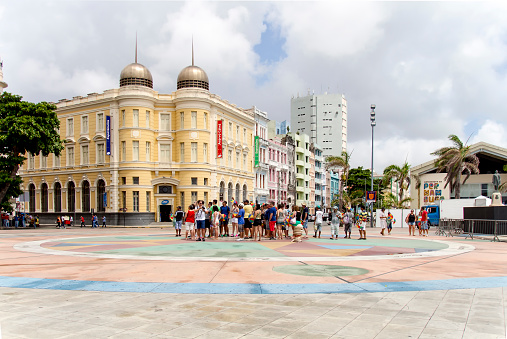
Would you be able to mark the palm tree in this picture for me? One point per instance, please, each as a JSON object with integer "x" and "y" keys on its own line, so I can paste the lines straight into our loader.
{"x": 391, "y": 201}
{"x": 401, "y": 175}
{"x": 455, "y": 161}
{"x": 340, "y": 162}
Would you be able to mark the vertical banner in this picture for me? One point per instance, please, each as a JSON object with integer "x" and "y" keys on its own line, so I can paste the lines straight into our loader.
{"x": 256, "y": 151}
{"x": 219, "y": 139}
{"x": 105, "y": 199}
{"x": 108, "y": 135}
{"x": 371, "y": 196}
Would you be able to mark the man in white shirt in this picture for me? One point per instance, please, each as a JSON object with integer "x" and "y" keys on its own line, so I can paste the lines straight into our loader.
{"x": 383, "y": 219}
{"x": 200, "y": 221}
{"x": 318, "y": 222}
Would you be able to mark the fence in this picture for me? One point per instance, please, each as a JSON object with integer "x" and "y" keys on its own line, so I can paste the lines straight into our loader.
{"x": 472, "y": 227}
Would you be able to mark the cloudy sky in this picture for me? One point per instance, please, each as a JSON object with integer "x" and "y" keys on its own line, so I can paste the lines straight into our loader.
{"x": 432, "y": 68}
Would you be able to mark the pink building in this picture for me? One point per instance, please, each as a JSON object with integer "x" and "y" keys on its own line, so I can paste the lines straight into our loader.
{"x": 278, "y": 175}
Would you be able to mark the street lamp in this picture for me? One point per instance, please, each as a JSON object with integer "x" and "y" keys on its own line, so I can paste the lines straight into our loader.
{"x": 373, "y": 123}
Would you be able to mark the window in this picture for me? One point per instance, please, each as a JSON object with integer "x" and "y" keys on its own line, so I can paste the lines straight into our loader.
{"x": 85, "y": 196}
{"x": 100, "y": 122}
{"x": 165, "y": 153}
{"x": 244, "y": 162}
{"x": 148, "y": 201}
{"x": 84, "y": 124}
{"x": 182, "y": 120}
{"x": 84, "y": 155}
{"x": 182, "y": 152}
{"x": 165, "y": 189}
{"x": 43, "y": 162}
{"x": 205, "y": 121}
{"x": 123, "y": 180}
{"x": 230, "y": 130}
{"x": 31, "y": 161}
{"x": 229, "y": 158}
{"x": 194, "y": 181}
{"x": 70, "y": 127}
{"x": 56, "y": 161}
{"x": 205, "y": 152}
{"x": 148, "y": 124}
{"x": 123, "y": 151}
{"x": 135, "y": 201}
{"x": 123, "y": 118}
{"x": 135, "y": 150}
{"x": 194, "y": 196}
{"x": 124, "y": 199}
{"x": 193, "y": 123}
{"x": 100, "y": 154}
{"x": 244, "y": 135}
{"x": 164, "y": 122}
{"x": 135, "y": 180}
{"x": 70, "y": 156}
{"x": 182, "y": 200}
{"x": 205, "y": 198}
{"x": 205, "y": 181}
{"x": 148, "y": 151}
{"x": 237, "y": 132}
{"x": 193, "y": 150}
{"x": 135, "y": 118}
{"x": 238, "y": 164}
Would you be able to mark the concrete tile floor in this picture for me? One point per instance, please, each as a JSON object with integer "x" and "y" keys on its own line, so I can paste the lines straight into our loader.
{"x": 471, "y": 313}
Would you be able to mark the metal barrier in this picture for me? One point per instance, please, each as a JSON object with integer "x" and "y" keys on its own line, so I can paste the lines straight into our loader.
{"x": 472, "y": 227}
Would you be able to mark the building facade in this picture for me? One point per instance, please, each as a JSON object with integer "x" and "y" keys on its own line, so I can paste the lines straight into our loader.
{"x": 302, "y": 167}
{"x": 134, "y": 154}
{"x": 324, "y": 119}
{"x": 261, "y": 147}
{"x": 278, "y": 171}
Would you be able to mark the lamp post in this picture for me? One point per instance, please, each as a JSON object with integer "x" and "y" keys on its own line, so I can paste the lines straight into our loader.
{"x": 373, "y": 123}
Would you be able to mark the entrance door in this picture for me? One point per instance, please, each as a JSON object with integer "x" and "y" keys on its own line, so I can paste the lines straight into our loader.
{"x": 165, "y": 213}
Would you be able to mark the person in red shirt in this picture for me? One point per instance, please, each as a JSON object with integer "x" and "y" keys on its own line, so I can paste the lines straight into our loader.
{"x": 189, "y": 222}
{"x": 424, "y": 222}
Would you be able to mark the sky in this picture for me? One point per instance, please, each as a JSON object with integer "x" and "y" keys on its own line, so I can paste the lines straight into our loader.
{"x": 431, "y": 68}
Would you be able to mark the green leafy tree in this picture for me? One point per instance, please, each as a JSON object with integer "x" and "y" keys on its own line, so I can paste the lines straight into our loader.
{"x": 456, "y": 160}
{"x": 359, "y": 181}
{"x": 24, "y": 127}
{"x": 401, "y": 175}
{"x": 336, "y": 163}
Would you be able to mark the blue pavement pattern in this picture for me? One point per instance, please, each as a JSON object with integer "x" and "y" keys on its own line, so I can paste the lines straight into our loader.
{"x": 225, "y": 288}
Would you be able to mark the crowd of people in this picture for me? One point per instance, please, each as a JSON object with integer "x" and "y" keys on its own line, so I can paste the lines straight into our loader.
{"x": 256, "y": 222}
{"x": 20, "y": 220}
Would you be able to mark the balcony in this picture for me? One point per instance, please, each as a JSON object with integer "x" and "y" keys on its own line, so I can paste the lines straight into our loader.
{"x": 300, "y": 189}
{"x": 300, "y": 150}
{"x": 300, "y": 176}
{"x": 300, "y": 163}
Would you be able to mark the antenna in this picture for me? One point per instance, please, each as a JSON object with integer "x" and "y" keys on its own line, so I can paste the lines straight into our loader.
{"x": 136, "y": 47}
{"x": 192, "y": 50}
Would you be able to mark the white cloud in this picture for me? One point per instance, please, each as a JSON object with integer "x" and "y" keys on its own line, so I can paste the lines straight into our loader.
{"x": 492, "y": 132}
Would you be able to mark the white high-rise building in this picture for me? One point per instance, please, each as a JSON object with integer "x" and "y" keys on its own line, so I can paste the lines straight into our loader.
{"x": 2, "y": 83}
{"x": 324, "y": 118}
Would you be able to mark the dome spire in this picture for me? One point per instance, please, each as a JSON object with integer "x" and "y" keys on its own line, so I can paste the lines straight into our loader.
{"x": 136, "y": 47}
{"x": 136, "y": 74}
{"x": 192, "y": 50}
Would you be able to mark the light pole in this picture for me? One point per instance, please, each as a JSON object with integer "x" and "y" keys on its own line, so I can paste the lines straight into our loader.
{"x": 373, "y": 123}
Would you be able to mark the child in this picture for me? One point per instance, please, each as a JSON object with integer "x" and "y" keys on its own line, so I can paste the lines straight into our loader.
{"x": 178, "y": 221}
{"x": 298, "y": 232}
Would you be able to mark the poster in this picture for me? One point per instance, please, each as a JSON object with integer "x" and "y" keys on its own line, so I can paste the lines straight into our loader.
{"x": 256, "y": 150}
{"x": 219, "y": 139}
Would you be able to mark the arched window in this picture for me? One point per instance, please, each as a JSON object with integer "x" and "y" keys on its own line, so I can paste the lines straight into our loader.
{"x": 58, "y": 197}
{"x": 245, "y": 192}
{"x": 101, "y": 192}
{"x": 85, "y": 193}
{"x": 44, "y": 196}
{"x": 71, "y": 197}
{"x": 237, "y": 193}
{"x": 31, "y": 204}
{"x": 229, "y": 192}
{"x": 222, "y": 191}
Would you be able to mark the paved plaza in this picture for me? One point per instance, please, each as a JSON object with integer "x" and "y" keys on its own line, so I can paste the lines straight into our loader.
{"x": 147, "y": 283}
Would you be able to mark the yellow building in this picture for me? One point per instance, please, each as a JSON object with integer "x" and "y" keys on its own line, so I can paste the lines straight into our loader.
{"x": 134, "y": 153}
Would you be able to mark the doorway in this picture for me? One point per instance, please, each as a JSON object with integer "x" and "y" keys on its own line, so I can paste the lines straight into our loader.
{"x": 165, "y": 213}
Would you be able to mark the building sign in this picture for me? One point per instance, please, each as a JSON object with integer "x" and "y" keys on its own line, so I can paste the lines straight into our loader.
{"x": 164, "y": 202}
{"x": 108, "y": 135}
{"x": 371, "y": 196}
{"x": 219, "y": 139}
{"x": 256, "y": 150}
{"x": 432, "y": 191}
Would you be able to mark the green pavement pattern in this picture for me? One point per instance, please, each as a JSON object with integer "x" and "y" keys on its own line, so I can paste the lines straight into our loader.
{"x": 320, "y": 270}
{"x": 201, "y": 249}
{"x": 386, "y": 242}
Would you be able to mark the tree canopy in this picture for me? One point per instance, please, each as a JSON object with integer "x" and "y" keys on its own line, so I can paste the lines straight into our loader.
{"x": 24, "y": 127}
{"x": 335, "y": 163}
{"x": 456, "y": 160}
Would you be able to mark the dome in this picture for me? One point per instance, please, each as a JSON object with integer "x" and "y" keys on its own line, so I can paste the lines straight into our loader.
{"x": 136, "y": 74}
{"x": 193, "y": 77}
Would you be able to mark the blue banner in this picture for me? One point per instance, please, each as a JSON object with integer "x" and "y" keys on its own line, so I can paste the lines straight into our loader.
{"x": 108, "y": 135}
{"x": 105, "y": 199}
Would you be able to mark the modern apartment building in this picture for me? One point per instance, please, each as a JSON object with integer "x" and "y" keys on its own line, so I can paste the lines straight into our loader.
{"x": 324, "y": 118}
{"x": 134, "y": 153}
{"x": 302, "y": 166}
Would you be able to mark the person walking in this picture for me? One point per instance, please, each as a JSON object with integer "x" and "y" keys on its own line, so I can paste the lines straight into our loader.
{"x": 335, "y": 223}
{"x": 178, "y": 217}
{"x": 362, "y": 219}
{"x": 383, "y": 220}
{"x": 104, "y": 221}
{"x": 58, "y": 222}
{"x": 82, "y": 222}
{"x": 410, "y": 220}
{"x": 348, "y": 220}
{"x": 319, "y": 218}
{"x": 424, "y": 222}
{"x": 304, "y": 219}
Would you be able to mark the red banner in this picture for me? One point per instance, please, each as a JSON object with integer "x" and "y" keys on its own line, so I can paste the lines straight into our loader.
{"x": 219, "y": 139}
